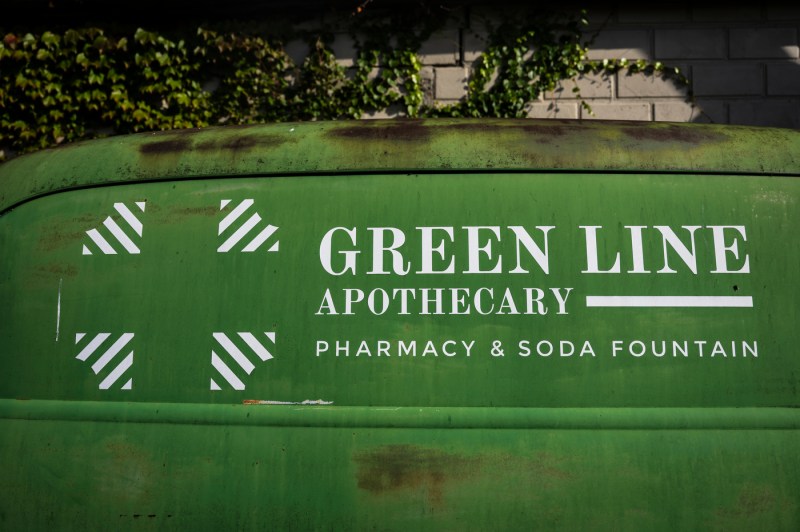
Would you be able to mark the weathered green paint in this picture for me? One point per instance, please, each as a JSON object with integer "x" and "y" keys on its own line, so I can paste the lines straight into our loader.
{"x": 403, "y": 146}
{"x": 435, "y": 442}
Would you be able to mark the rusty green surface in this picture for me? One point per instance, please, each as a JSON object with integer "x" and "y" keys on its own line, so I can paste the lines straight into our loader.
{"x": 403, "y": 145}
{"x": 598, "y": 442}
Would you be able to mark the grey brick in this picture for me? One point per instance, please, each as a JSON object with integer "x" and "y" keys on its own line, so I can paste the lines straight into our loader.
{"x": 591, "y": 86}
{"x": 763, "y": 42}
{"x": 766, "y": 113}
{"x": 728, "y": 80}
{"x": 783, "y": 79}
{"x": 657, "y": 14}
{"x": 703, "y": 111}
{"x": 474, "y": 45}
{"x": 618, "y": 111}
{"x": 451, "y": 83}
{"x": 297, "y": 51}
{"x": 690, "y": 44}
{"x": 427, "y": 77}
{"x": 725, "y": 14}
{"x": 441, "y": 49}
{"x": 616, "y": 44}
{"x": 393, "y": 111}
{"x": 599, "y": 16}
{"x": 654, "y": 86}
{"x": 344, "y": 49}
{"x": 553, "y": 110}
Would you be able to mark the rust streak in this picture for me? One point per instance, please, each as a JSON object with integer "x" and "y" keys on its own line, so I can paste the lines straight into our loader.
{"x": 400, "y": 130}
{"x": 406, "y": 467}
{"x": 240, "y": 143}
{"x": 672, "y": 133}
{"x": 173, "y": 145}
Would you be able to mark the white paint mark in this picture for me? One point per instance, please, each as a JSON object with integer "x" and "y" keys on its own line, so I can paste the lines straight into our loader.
{"x": 669, "y": 301}
{"x": 260, "y": 238}
{"x": 101, "y": 242}
{"x": 274, "y": 247}
{"x": 120, "y": 235}
{"x": 234, "y": 214}
{"x": 256, "y": 346}
{"x": 223, "y": 203}
{"x": 112, "y": 351}
{"x": 215, "y": 386}
{"x": 234, "y": 352}
{"x": 91, "y": 346}
{"x": 141, "y": 205}
{"x": 271, "y": 336}
{"x": 58, "y": 309}
{"x": 306, "y": 402}
{"x": 226, "y": 372}
{"x": 292, "y": 129}
{"x": 118, "y": 371}
{"x": 86, "y": 250}
{"x": 129, "y": 217}
{"x": 240, "y": 233}
{"x": 128, "y": 385}
{"x": 79, "y": 337}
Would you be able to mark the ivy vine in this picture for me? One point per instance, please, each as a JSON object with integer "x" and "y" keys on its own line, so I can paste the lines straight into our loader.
{"x": 83, "y": 83}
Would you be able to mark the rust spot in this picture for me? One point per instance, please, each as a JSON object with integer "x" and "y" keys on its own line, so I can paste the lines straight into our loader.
{"x": 194, "y": 211}
{"x": 58, "y": 270}
{"x": 753, "y": 502}
{"x": 241, "y": 142}
{"x": 56, "y": 238}
{"x": 172, "y": 145}
{"x": 671, "y": 133}
{"x": 545, "y": 130}
{"x": 406, "y": 467}
{"x": 400, "y": 130}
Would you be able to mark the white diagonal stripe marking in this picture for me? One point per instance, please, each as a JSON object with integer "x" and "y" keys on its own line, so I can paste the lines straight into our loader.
{"x": 226, "y": 372}
{"x": 91, "y": 346}
{"x": 116, "y": 230}
{"x": 256, "y": 346}
{"x": 118, "y": 371}
{"x": 239, "y": 234}
{"x": 233, "y": 351}
{"x": 129, "y": 217}
{"x": 262, "y": 236}
{"x": 101, "y": 242}
{"x": 234, "y": 214}
{"x": 115, "y": 348}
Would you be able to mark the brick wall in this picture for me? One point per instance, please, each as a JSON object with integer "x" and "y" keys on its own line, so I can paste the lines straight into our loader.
{"x": 743, "y": 63}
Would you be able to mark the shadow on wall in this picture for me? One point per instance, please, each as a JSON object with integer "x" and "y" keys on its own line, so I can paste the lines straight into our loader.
{"x": 744, "y": 68}
{"x": 744, "y": 72}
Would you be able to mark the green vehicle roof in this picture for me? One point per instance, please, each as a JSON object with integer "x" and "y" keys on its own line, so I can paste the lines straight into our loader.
{"x": 449, "y": 145}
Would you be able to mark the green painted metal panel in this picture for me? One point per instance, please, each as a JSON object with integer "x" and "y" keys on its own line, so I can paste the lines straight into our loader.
{"x": 502, "y": 324}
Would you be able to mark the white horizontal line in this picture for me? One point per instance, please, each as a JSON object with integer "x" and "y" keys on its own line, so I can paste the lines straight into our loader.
{"x": 669, "y": 301}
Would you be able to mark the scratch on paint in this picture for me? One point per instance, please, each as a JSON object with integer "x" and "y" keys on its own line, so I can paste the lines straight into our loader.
{"x": 58, "y": 308}
{"x": 306, "y": 402}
